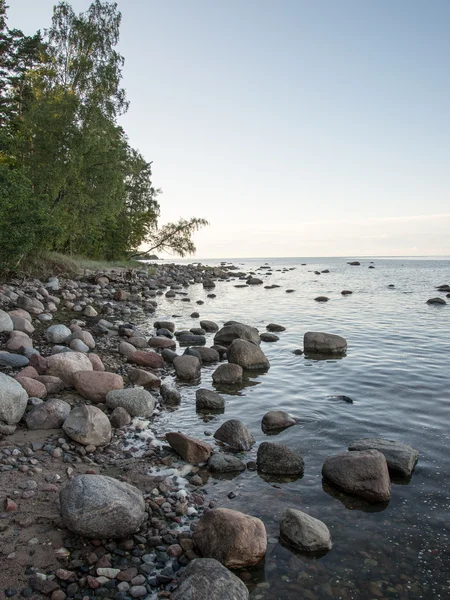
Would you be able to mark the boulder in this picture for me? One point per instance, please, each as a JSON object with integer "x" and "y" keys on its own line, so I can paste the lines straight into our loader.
{"x": 247, "y": 355}
{"x": 206, "y": 578}
{"x": 235, "y": 434}
{"x": 209, "y": 326}
{"x": 126, "y": 349}
{"x": 78, "y": 346}
{"x": 96, "y": 362}
{"x": 189, "y": 339}
{"x": 120, "y": 417}
{"x": 359, "y": 473}
{"x": 324, "y": 343}
{"x": 170, "y": 394}
{"x": 208, "y": 400}
{"x": 165, "y": 325}
{"x": 31, "y": 305}
{"x": 276, "y": 459}
{"x": 147, "y": 359}
{"x": 83, "y": 336}
{"x": 225, "y": 463}
{"x": 233, "y": 538}
{"x": 33, "y": 387}
{"x": 234, "y": 331}
{"x": 144, "y": 378}
{"x": 228, "y": 374}
{"x": 88, "y": 425}
{"x": 191, "y": 450}
{"x": 95, "y": 385}
{"x": 18, "y": 341}
{"x": 208, "y": 355}
{"x": 8, "y": 359}
{"x": 303, "y": 532}
{"x": 96, "y": 506}
{"x": 48, "y": 415}
{"x": 64, "y": 365}
{"x": 436, "y": 301}
{"x": 22, "y": 324}
{"x": 136, "y": 401}
{"x": 161, "y": 342}
{"x": 187, "y": 367}
{"x": 53, "y": 385}
{"x": 268, "y": 337}
{"x": 13, "y": 400}
{"x": 401, "y": 458}
{"x": 275, "y": 328}
{"x": 57, "y": 334}
{"x": 6, "y": 323}
{"x": 275, "y": 420}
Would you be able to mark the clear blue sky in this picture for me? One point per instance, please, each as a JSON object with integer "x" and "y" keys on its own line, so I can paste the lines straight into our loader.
{"x": 296, "y": 127}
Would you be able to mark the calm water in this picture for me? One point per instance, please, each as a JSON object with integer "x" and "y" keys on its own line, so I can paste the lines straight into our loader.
{"x": 397, "y": 370}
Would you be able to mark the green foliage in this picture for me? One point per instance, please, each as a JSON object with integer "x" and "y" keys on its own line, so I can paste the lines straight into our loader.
{"x": 22, "y": 224}
{"x": 71, "y": 182}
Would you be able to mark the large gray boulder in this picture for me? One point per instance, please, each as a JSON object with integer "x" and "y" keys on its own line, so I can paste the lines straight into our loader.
{"x": 277, "y": 459}
{"x": 208, "y": 400}
{"x": 57, "y": 334}
{"x": 247, "y": 355}
{"x": 324, "y": 343}
{"x": 303, "y": 532}
{"x": 233, "y": 538}
{"x": 235, "y": 434}
{"x": 276, "y": 420}
{"x": 48, "y": 415}
{"x": 207, "y": 579}
{"x": 13, "y": 400}
{"x": 225, "y": 463}
{"x": 209, "y": 326}
{"x": 228, "y": 374}
{"x": 359, "y": 473}
{"x": 187, "y": 367}
{"x": 6, "y": 323}
{"x": 96, "y": 506}
{"x": 31, "y": 305}
{"x": 401, "y": 458}
{"x": 88, "y": 425}
{"x": 136, "y": 401}
{"x": 235, "y": 331}
{"x": 65, "y": 364}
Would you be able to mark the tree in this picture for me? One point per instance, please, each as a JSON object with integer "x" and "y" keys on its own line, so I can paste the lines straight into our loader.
{"x": 173, "y": 238}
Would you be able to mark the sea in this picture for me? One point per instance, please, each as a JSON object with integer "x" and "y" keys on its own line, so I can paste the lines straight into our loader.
{"x": 396, "y": 371}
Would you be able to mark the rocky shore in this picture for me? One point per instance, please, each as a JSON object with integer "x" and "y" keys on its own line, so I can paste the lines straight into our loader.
{"x": 97, "y": 503}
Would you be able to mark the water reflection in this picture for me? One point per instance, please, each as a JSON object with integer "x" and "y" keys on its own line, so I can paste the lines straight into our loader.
{"x": 353, "y": 502}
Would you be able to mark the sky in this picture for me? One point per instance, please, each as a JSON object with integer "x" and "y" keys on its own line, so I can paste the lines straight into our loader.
{"x": 296, "y": 128}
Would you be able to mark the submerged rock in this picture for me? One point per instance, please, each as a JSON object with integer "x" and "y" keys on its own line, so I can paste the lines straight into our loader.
{"x": 247, "y": 355}
{"x": 436, "y": 301}
{"x": 401, "y": 458}
{"x": 233, "y": 538}
{"x": 225, "y": 463}
{"x": 235, "y": 434}
{"x": 228, "y": 374}
{"x": 227, "y": 334}
{"x": 275, "y": 420}
{"x": 207, "y": 579}
{"x": 324, "y": 343}
{"x": 360, "y": 473}
{"x": 277, "y": 459}
{"x": 303, "y": 532}
{"x": 208, "y": 400}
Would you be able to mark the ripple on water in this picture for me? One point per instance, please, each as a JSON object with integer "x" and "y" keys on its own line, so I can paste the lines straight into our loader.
{"x": 397, "y": 373}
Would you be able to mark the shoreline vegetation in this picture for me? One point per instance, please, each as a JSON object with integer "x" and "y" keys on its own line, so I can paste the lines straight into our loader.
{"x": 70, "y": 181}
